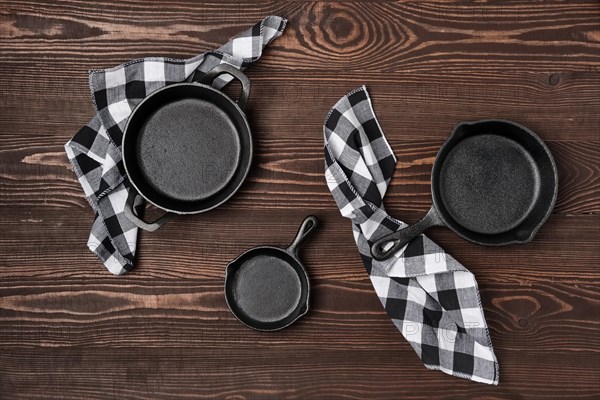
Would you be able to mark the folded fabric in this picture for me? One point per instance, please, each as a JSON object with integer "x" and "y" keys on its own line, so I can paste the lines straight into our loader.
{"x": 95, "y": 151}
{"x": 430, "y": 297}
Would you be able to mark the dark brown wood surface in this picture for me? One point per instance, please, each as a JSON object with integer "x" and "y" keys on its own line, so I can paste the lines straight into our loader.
{"x": 70, "y": 330}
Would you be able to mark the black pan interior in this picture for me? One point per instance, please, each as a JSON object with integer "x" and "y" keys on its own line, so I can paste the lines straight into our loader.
{"x": 266, "y": 288}
{"x": 187, "y": 148}
{"x": 494, "y": 182}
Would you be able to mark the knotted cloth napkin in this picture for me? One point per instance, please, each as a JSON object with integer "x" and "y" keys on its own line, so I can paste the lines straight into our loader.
{"x": 430, "y": 297}
{"x": 95, "y": 151}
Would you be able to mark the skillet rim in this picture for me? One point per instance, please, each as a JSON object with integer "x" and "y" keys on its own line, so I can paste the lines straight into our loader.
{"x": 250, "y": 147}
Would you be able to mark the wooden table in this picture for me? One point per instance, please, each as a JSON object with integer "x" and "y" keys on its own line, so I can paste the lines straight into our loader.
{"x": 71, "y": 330}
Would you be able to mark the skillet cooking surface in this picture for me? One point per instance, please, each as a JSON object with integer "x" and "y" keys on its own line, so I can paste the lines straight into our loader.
{"x": 489, "y": 183}
{"x": 266, "y": 288}
{"x": 188, "y": 149}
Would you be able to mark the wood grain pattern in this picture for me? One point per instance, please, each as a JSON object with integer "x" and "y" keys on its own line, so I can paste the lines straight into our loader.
{"x": 70, "y": 330}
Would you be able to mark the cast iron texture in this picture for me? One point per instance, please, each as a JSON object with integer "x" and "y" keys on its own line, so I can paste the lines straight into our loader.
{"x": 494, "y": 182}
{"x": 267, "y": 288}
{"x": 187, "y": 147}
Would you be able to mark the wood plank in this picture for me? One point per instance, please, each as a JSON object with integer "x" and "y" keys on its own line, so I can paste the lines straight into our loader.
{"x": 349, "y": 311}
{"x": 382, "y": 36}
{"x": 135, "y": 373}
{"x": 289, "y": 173}
{"x": 198, "y": 247}
{"x": 409, "y": 105}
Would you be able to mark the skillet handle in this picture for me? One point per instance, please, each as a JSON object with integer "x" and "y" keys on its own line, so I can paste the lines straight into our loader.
{"x": 402, "y": 237}
{"x": 140, "y": 223}
{"x": 308, "y": 225}
{"x": 221, "y": 69}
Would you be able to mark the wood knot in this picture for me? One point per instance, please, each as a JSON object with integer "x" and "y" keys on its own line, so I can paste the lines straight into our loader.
{"x": 341, "y": 28}
{"x": 523, "y": 323}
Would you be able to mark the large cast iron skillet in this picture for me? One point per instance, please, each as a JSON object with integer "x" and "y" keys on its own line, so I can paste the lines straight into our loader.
{"x": 187, "y": 147}
{"x": 493, "y": 182}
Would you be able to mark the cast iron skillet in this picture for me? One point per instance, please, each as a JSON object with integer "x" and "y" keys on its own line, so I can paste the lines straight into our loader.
{"x": 266, "y": 287}
{"x": 494, "y": 182}
{"x": 187, "y": 147}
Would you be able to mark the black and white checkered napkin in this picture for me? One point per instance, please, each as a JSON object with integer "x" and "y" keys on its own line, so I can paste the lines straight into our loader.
{"x": 431, "y": 298}
{"x": 95, "y": 151}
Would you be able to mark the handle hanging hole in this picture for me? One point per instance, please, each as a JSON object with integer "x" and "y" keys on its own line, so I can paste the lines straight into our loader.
{"x": 386, "y": 246}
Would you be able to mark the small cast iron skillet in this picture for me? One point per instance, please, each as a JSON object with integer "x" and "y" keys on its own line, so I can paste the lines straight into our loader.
{"x": 494, "y": 182}
{"x": 267, "y": 288}
{"x": 187, "y": 147}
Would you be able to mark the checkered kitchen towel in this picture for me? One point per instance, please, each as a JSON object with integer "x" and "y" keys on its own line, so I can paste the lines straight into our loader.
{"x": 430, "y": 297}
{"x": 95, "y": 151}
